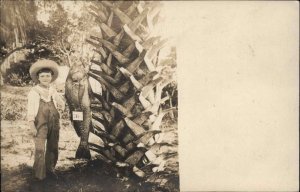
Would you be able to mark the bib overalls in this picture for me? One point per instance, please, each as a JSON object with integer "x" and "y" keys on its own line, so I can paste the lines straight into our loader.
{"x": 46, "y": 140}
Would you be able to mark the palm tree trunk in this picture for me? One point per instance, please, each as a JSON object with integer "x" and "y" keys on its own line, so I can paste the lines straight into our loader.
{"x": 133, "y": 83}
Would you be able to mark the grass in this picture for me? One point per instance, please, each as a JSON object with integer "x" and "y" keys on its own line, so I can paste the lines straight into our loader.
{"x": 14, "y": 103}
{"x": 17, "y": 156}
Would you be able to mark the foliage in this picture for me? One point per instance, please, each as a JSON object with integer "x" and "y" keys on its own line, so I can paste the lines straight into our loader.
{"x": 18, "y": 17}
{"x": 20, "y": 30}
{"x": 63, "y": 34}
{"x": 18, "y": 73}
{"x": 11, "y": 110}
{"x": 13, "y": 103}
{"x": 16, "y": 79}
{"x": 64, "y": 114}
{"x": 171, "y": 90}
{"x": 134, "y": 80}
{"x": 169, "y": 64}
{"x": 66, "y": 32}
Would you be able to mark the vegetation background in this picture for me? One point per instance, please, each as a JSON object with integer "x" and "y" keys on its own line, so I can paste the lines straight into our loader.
{"x": 31, "y": 30}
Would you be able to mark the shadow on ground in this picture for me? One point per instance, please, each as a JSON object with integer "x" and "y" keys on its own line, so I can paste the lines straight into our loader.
{"x": 17, "y": 156}
{"x": 92, "y": 176}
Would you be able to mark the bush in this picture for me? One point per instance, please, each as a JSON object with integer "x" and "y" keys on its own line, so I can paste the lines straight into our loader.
{"x": 14, "y": 103}
{"x": 64, "y": 114}
{"x": 13, "y": 109}
{"x": 172, "y": 90}
{"x": 18, "y": 74}
{"x": 15, "y": 79}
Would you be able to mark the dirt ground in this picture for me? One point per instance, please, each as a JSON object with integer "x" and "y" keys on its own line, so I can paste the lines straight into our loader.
{"x": 17, "y": 157}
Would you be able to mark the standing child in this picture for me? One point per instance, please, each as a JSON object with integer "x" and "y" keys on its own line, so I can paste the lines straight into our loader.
{"x": 44, "y": 117}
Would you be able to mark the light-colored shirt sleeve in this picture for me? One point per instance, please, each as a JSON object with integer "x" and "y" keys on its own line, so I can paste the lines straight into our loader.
{"x": 32, "y": 105}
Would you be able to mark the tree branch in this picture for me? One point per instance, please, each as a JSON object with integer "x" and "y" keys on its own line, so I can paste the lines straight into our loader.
{"x": 26, "y": 46}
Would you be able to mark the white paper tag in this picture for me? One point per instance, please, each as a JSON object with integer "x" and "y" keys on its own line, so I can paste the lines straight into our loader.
{"x": 77, "y": 115}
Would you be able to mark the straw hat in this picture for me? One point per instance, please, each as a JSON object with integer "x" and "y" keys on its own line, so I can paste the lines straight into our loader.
{"x": 40, "y": 64}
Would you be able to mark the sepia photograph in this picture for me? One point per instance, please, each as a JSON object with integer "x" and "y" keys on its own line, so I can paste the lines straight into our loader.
{"x": 88, "y": 97}
{"x": 149, "y": 96}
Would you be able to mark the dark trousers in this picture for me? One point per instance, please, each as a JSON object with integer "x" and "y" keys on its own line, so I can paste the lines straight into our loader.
{"x": 46, "y": 140}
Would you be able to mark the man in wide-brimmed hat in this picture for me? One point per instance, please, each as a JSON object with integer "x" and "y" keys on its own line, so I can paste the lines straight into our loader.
{"x": 43, "y": 116}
